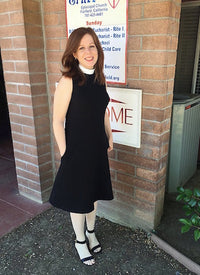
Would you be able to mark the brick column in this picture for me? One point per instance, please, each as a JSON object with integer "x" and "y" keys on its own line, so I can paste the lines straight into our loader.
{"x": 139, "y": 174}
{"x": 26, "y": 86}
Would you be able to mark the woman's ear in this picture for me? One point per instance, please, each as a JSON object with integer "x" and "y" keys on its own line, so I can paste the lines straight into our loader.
{"x": 74, "y": 55}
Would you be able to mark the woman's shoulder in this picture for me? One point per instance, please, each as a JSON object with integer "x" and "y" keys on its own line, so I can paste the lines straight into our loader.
{"x": 64, "y": 85}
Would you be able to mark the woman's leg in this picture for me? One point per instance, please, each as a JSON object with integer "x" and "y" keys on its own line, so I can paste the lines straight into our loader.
{"x": 78, "y": 222}
{"x": 90, "y": 222}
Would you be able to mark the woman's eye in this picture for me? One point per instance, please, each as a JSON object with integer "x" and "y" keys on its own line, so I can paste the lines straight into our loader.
{"x": 81, "y": 48}
{"x": 92, "y": 46}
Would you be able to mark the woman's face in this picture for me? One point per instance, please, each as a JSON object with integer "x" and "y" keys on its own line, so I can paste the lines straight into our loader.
{"x": 87, "y": 53}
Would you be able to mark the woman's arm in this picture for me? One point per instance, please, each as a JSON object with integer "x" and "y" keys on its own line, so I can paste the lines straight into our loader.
{"x": 62, "y": 99}
{"x": 108, "y": 132}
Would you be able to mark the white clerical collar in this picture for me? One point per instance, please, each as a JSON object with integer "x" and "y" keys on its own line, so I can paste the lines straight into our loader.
{"x": 85, "y": 70}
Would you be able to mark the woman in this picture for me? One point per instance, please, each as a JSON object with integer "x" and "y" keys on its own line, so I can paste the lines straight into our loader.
{"x": 80, "y": 102}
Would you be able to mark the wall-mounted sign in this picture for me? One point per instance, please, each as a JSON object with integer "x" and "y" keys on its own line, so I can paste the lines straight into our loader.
{"x": 108, "y": 18}
{"x": 124, "y": 110}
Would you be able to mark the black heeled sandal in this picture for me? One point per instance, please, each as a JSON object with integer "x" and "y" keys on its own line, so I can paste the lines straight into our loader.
{"x": 83, "y": 260}
{"x": 96, "y": 246}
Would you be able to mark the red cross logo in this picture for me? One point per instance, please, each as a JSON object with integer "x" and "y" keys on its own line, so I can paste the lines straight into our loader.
{"x": 113, "y": 3}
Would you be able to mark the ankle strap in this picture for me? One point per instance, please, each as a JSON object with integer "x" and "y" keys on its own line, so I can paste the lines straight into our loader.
{"x": 81, "y": 242}
{"x": 90, "y": 231}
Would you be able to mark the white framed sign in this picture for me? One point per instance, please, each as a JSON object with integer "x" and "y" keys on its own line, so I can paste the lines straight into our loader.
{"x": 109, "y": 19}
{"x": 124, "y": 111}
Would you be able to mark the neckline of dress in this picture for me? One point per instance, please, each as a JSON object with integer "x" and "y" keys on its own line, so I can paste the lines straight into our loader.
{"x": 85, "y": 70}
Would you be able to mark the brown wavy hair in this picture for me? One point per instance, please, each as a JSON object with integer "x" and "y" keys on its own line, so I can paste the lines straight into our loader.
{"x": 70, "y": 64}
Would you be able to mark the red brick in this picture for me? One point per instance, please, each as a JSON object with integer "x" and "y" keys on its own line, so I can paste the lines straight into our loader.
{"x": 156, "y": 42}
{"x": 24, "y": 90}
{"x": 161, "y": 9}
{"x": 38, "y": 77}
{"x": 18, "y": 145}
{"x": 154, "y": 101}
{"x": 142, "y": 27}
{"x": 51, "y": 19}
{"x": 9, "y": 66}
{"x": 25, "y": 139}
{"x": 29, "y": 131}
{"x": 33, "y": 168}
{"x": 149, "y": 151}
{"x": 24, "y": 186}
{"x": 21, "y": 119}
{"x": 144, "y": 205}
{"x": 5, "y": 19}
{"x": 112, "y": 154}
{"x": 54, "y": 56}
{"x": 54, "y": 6}
{"x": 31, "y": 149}
{"x": 151, "y": 175}
{"x": 55, "y": 31}
{"x": 16, "y": 17}
{"x": 41, "y": 121}
{"x": 44, "y": 158}
{"x": 13, "y": 109}
{"x": 63, "y": 44}
{"x": 151, "y": 126}
{"x": 53, "y": 44}
{"x": 140, "y": 183}
{"x": 47, "y": 176}
{"x": 16, "y": 77}
{"x": 135, "y": 12}
{"x": 43, "y": 149}
{"x": 35, "y": 55}
{"x": 16, "y": 128}
{"x": 32, "y": 18}
{"x": 35, "y": 43}
{"x": 155, "y": 140}
{"x": 124, "y": 148}
{"x": 28, "y": 158}
{"x": 10, "y": 31}
{"x": 19, "y": 42}
{"x": 133, "y": 72}
{"x": 39, "y": 100}
{"x": 137, "y": 160}
{"x": 126, "y": 168}
{"x": 6, "y": 43}
{"x": 54, "y": 67}
{"x": 155, "y": 73}
{"x": 43, "y": 139}
{"x": 32, "y": 5}
{"x": 153, "y": 114}
{"x": 42, "y": 130}
{"x": 145, "y": 196}
{"x": 11, "y": 88}
{"x": 7, "y": 6}
{"x": 22, "y": 66}
{"x": 149, "y": 86}
{"x": 45, "y": 167}
{"x": 122, "y": 187}
{"x": 134, "y": 43}
{"x": 19, "y": 99}
{"x": 148, "y": 58}
{"x": 38, "y": 90}
{"x": 14, "y": 55}
{"x": 20, "y": 164}
{"x": 124, "y": 198}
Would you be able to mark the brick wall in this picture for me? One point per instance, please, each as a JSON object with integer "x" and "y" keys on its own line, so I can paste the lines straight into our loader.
{"x": 138, "y": 175}
{"x": 26, "y": 86}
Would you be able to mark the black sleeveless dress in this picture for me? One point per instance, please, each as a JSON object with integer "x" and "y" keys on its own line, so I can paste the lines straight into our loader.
{"x": 83, "y": 176}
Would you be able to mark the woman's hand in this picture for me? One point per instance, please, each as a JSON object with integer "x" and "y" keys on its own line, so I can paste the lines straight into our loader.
{"x": 110, "y": 141}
